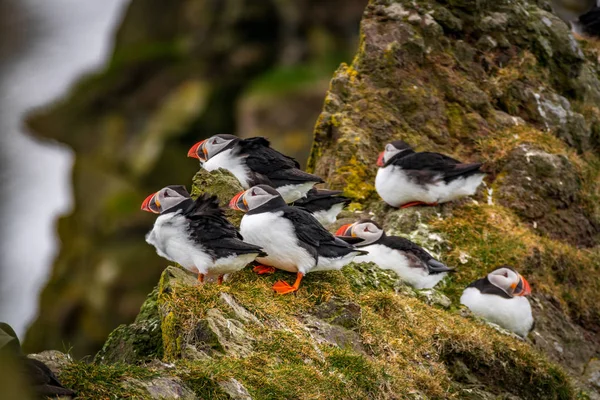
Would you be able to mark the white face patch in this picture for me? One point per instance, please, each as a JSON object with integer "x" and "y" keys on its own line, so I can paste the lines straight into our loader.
{"x": 232, "y": 163}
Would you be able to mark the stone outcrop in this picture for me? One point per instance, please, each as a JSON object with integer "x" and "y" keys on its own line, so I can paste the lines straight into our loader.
{"x": 501, "y": 82}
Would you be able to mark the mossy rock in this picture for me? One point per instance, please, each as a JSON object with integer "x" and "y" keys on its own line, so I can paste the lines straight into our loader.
{"x": 138, "y": 342}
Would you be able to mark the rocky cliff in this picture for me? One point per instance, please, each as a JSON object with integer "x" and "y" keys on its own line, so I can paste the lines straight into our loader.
{"x": 180, "y": 71}
{"x": 503, "y": 82}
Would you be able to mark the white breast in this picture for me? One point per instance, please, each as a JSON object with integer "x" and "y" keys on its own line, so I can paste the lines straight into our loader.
{"x": 513, "y": 314}
{"x": 387, "y": 258}
{"x": 170, "y": 238}
{"x": 233, "y": 164}
{"x": 396, "y": 189}
{"x": 276, "y": 235}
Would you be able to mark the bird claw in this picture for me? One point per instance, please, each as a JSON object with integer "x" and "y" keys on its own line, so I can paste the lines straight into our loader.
{"x": 283, "y": 287}
{"x": 262, "y": 269}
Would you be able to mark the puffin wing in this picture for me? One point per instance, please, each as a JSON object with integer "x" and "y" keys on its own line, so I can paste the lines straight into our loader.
{"x": 261, "y": 157}
{"x": 321, "y": 199}
{"x": 420, "y": 257}
{"x": 590, "y": 22}
{"x": 270, "y": 166}
{"x": 207, "y": 220}
{"x": 435, "y": 162}
{"x": 313, "y": 235}
{"x": 308, "y": 229}
{"x": 209, "y": 227}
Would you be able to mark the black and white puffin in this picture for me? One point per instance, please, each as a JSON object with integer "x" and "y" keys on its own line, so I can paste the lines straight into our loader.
{"x": 195, "y": 234}
{"x": 500, "y": 298}
{"x": 252, "y": 161}
{"x": 293, "y": 239}
{"x": 411, "y": 262}
{"x": 406, "y": 178}
{"x": 325, "y": 205}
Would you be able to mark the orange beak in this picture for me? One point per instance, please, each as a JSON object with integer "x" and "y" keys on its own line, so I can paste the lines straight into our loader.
{"x": 151, "y": 204}
{"x": 345, "y": 230}
{"x": 198, "y": 151}
{"x": 238, "y": 202}
{"x": 523, "y": 288}
{"x": 380, "y": 162}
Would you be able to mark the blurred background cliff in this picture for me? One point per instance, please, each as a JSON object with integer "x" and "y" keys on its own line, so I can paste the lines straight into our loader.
{"x": 166, "y": 74}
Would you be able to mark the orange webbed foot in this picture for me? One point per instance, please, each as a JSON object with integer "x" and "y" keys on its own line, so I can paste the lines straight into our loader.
{"x": 282, "y": 287}
{"x": 263, "y": 269}
{"x": 220, "y": 280}
{"x": 417, "y": 203}
{"x": 200, "y": 278}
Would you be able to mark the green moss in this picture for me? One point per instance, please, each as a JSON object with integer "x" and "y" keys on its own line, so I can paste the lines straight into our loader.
{"x": 104, "y": 381}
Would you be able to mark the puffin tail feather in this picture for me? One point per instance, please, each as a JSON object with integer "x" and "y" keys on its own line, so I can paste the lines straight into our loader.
{"x": 436, "y": 267}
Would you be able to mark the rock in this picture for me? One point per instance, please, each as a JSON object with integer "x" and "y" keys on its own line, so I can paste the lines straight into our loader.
{"x": 55, "y": 360}
{"x": 339, "y": 336}
{"x": 137, "y": 342}
{"x": 216, "y": 333}
{"x": 338, "y": 311}
{"x": 166, "y": 388}
{"x": 447, "y": 20}
{"x": 434, "y": 297}
{"x": 239, "y": 312}
{"x": 212, "y": 335}
{"x": 222, "y": 184}
{"x": 235, "y": 389}
{"x": 369, "y": 276}
{"x": 543, "y": 189}
{"x": 592, "y": 373}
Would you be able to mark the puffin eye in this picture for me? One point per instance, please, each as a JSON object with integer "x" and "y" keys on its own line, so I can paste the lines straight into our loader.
{"x": 166, "y": 194}
{"x": 366, "y": 229}
{"x": 253, "y": 193}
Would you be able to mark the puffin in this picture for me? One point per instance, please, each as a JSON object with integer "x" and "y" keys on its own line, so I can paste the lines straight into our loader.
{"x": 589, "y": 23}
{"x": 41, "y": 379}
{"x": 582, "y": 15}
{"x": 406, "y": 178}
{"x": 325, "y": 205}
{"x": 411, "y": 262}
{"x": 252, "y": 161}
{"x": 500, "y": 298}
{"x": 291, "y": 236}
{"x": 196, "y": 235}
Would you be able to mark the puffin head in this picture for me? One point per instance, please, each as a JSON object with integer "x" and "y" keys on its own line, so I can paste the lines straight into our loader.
{"x": 165, "y": 199}
{"x": 208, "y": 148}
{"x": 391, "y": 149}
{"x": 255, "y": 197}
{"x": 509, "y": 281}
{"x": 365, "y": 229}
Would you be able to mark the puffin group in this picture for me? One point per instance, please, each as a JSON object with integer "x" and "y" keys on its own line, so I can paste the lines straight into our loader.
{"x": 284, "y": 225}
